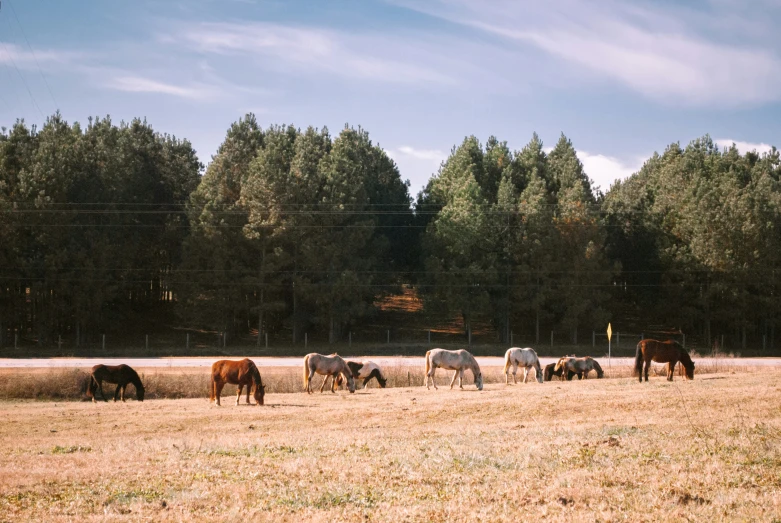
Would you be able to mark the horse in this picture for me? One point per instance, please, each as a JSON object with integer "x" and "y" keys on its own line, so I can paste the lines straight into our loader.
{"x": 455, "y": 360}
{"x": 365, "y": 370}
{"x": 119, "y": 374}
{"x": 550, "y": 371}
{"x": 332, "y": 365}
{"x": 580, "y": 365}
{"x": 526, "y": 358}
{"x": 670, "y": 352}
{"x": 240, "y": 373}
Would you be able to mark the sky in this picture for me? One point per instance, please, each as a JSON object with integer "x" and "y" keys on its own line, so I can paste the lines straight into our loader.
{"x": 620, "y": 79}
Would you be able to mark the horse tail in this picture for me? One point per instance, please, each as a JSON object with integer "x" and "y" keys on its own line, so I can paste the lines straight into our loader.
{"x": 91, "y": 386}
{"x": 559, "y": 364}
{"x": 306, "y": 371}
{"x": 212, "y": 386}
{"x": 428, "y": 362}
{"x": 638, "y": 370}
{"x": 506, "y": 360}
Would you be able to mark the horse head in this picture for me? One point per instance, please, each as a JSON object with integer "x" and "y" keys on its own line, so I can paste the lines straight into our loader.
{"x": 689, "y": 368}
{"x": 538, "y": 373}
{"x": 479, "y": 380}
{"x": 350, "y": 380}
{"x": 140, "y": 391}
{"x": 382, "y": 381}
{"x": 260, "y": 391}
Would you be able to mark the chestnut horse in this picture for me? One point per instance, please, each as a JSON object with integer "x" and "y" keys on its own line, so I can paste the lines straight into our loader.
{"x": 550, "y": 371}
{"x": 670, "y": 352}
{"x": 119, "y": 374}
{"x": 240, "y": 373}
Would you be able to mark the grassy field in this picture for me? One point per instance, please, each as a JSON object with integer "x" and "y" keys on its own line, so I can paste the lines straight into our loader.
{"x": 596, "y": 450}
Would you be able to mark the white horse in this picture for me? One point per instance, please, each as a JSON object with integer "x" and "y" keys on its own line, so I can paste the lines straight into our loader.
{"x": 328, "y": 366}
{"x": 364, "y": 370}
{"x": 525, "y": 358}
{"x": 456, "y": 360}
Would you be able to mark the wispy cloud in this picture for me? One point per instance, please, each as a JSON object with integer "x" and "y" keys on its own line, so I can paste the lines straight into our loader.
{"x": 666, "y": 53}
{"x": 24, "y": 57}
{"x": 434, "y": 155}
{"x": 307, "y": 49}
{"x": 139, "y": 84}
{"x": 744, "y": 147}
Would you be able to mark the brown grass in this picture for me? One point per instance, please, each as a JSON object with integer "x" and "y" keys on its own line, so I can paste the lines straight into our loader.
{"x": 704, "y": 450}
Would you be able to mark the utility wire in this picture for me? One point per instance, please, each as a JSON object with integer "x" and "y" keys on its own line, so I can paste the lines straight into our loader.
{"x": 45, "y": 81}
{"x": 29, "y": 91}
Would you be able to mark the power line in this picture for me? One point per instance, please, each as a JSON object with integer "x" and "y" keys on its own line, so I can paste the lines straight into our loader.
{"x": 45, "y": 81}
{"x": 29, "y": 91}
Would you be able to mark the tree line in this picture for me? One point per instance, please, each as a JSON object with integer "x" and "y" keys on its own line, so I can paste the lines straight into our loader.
{"x": 108, "y": 227}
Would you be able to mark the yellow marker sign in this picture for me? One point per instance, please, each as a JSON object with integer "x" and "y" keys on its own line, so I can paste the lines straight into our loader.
{"x": 609, "y": 332}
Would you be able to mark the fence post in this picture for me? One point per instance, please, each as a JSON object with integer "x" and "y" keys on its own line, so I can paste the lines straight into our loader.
{"x": 388, "y": 338}
{"x": 763, "y": 342}
{"x": 618, "y": 340}
{"x": 350, "y": 339}
{"x": 266, "y": 335}
{"x": 469, "y": 333}
{"x": 59, "y": 342}
{"x": 551, "y": 339}
{"x": 146, "y": 342}
{"x": 409, "y": 379}
{"x": 103, "y": 342}
{"x": 187, "y": 342}
{"x": 642, "y": 336}
{"x": 429, "y": 336}
{"x": 722, "y": 342}
{"x": 306, "y": 341}
{"x": 684, "y": 341}
{"x": 16, "y": 340}
{"x": 593, "y": 339}
{"x": 512, "y": 343}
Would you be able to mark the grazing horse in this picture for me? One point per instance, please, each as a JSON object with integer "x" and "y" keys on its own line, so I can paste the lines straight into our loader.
{"x": 240, "y": 373}
{"x": 332, "y": 365}
{"x": 455, "y": 360}
{"x": 670, "y": 352}
{"x": 525, "y": 358}
{"x": 580, "y": 365}
{"x": 364, "y": 370}
{"x": 550, "y": 371}
{"x": 119, "y": 374}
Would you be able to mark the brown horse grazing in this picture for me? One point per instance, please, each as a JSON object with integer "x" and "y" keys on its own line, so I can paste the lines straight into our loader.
{"x": 550, "y": 371}
{"x": 119, "y": 374}
{"x": 670, "y": 352}
{"x": 240, "y": 373}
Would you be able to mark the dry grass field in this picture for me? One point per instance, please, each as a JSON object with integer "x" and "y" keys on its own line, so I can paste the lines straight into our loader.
{"x": 595, "y": 450}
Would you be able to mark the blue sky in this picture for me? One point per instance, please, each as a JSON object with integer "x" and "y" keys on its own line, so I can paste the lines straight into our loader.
{"x": 620, "y": 79}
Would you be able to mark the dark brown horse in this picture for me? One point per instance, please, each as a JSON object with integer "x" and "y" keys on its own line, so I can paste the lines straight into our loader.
{"x": 670, "y": 352}
{"x": 240, "y": 373}
{"x": 119, "y": 374}
{"x": 550, "y": 371}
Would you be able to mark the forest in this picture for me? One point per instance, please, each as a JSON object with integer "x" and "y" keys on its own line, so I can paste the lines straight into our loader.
{"x": 111, "y": 228}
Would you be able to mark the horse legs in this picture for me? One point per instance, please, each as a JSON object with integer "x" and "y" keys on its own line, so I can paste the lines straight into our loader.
{"x": 646, "y": 368}
{"x": 461, "y": 379}
{"x": 116, "y": 392}
{"x": 671, "y": 369}
{"x": 366, "y": 382}
{"x": 430, "y": 374}
{"x": 525, "y": 374}
{"x": 455, "y": 375}
{"x": 238, "y": 394}
{"x": 100, "y": 388}
{"x": 122, "y": 392}
{"x": 333, "y": 384}
{"x": 218, "y": 385}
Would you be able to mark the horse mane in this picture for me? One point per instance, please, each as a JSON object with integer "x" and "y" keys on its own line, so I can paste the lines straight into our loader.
{"x": 135, "y": 379}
